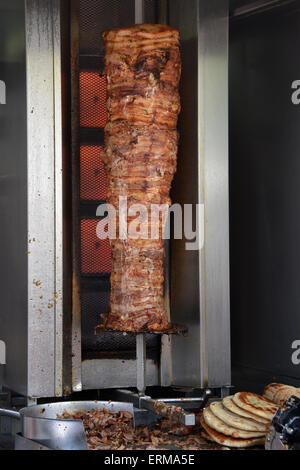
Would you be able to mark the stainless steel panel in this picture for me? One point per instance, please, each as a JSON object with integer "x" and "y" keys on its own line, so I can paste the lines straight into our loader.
{"x": 166, "y": 361}
{"x": 13, "y": 196}
{"x": 44, "y": 198}
{"x": 115, "y": 373}
{"x": 214, "y": 192}
{"x": 31, "y": 197}
{"x": 200, "y": 278}
{"x": 265, "y": 203}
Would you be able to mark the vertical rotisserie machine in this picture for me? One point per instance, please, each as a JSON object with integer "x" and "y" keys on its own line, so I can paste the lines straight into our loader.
{"x": 54, "y": 272}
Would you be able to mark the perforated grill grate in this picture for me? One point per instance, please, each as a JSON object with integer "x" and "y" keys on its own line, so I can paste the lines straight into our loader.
{"x": 95, "y": 253}
{"x": 92, "y": 174}
{"x": 92, "y": 86}
{"x": 95, "y": 300}
{"x": 150, "y": 11}
{"x": 97, "y": 16}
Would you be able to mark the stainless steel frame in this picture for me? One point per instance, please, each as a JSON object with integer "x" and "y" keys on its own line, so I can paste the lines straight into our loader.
{"x": 44, "y": 166}
{"x": 36, "y": 327}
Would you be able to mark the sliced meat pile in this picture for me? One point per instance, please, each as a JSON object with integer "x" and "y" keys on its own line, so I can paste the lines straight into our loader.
{"x": 106, "y": 430}
{"x": 142, "y": 66}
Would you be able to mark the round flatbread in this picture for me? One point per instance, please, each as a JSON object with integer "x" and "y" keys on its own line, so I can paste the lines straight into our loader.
{"x": 278, "y": 393}
{"x": 206, "y": 436}
{"x": 218, "y": 425}
{"x": 228, "y": 440}
{"x": 270, "y": 391}
{"x": 255, "y": 404}
{"x": 284, "y": 393}
{"x": 235, "y": 420}
{"x": 231, "y": 406}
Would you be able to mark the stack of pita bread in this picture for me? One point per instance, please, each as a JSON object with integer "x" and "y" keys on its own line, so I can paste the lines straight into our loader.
{"x": 240, "y": 420}
{"x": 278, "y": 393}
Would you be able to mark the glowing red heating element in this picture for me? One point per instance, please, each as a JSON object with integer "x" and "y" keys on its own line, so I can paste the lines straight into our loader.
{"x": 92, "y": 174}
{"x": 92, "y": 87}
{"x": 95, "y": 253}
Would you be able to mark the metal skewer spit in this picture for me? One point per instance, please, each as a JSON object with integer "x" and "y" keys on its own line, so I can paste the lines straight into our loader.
{"x": 171, "y": 408}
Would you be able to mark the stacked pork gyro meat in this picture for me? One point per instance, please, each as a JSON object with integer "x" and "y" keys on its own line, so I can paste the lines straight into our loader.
{"x": 142, "y": 66}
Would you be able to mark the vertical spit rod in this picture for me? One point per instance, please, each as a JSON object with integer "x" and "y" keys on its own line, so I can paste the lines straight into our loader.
{"x": 140, "y": 337}
{"x": 141, "y": 363}
{"x": 139, "y": 11}
{"x": 163, "y": 12}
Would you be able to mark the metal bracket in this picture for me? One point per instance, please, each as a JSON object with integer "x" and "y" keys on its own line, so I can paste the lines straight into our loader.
{"x": 226, "y": 391}
{"x": 273, "y": 441}
{"x": 166, "y": 406}
{"x": 141, "y": 372}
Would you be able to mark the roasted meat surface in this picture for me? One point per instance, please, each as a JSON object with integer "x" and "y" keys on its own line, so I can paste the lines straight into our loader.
{"x": 142, "y": 66}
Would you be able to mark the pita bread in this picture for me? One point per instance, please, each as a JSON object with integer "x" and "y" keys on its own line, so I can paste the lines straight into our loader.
{"x": 284, "y": 393}
{"x": 219, "y": 425}
{"x": 236, "y": 421}
{"x": 229, "y": 404}
{"x": 255, "y": 404}
{"x": 206, "y": 436}
{"x": 270, "y": 391}
{"x": 230, "y": 441}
